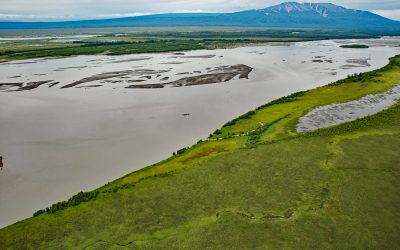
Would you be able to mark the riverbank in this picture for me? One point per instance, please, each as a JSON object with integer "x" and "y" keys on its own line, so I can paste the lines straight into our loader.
{"x": 116, "y": 46}
{"x": 17, "y": 45}
{"x": 75, "y": 134}
{"x": 253, "y": 184}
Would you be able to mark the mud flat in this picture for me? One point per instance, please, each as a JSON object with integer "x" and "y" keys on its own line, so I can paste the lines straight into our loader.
{"x": 334, "y": 114}
{"x": 7, "y": 85}
{"x": 146, "y": 86}
{"x": 194, "y": 57}
{"x": 133, "y": 60}
{"x": 174, "y": 63}
{"x": 113, "y": 75}
{"x": 361, "y": 61}
{"x": 25, "y": 86}
{"x": 218, "y": 75}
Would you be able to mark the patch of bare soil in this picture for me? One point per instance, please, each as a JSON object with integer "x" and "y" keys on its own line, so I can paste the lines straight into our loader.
{"x": 133, "y": 60}
{"x": 200, "y": 56}
{"x": 217, "y": 75}
{"x": 146, "y": 86}
{"x": 115, "y": 74}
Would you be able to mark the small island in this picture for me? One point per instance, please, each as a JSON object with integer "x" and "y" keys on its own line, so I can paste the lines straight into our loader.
{"x": 355, "y": 46}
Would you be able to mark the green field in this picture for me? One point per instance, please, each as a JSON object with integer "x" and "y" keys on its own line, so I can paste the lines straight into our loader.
{"x": 119, "y": 46}
{"x": 255, "y": 184}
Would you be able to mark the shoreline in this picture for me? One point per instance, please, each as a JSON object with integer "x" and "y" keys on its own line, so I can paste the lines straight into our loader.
{"x": 182, "y": 45}
{"x": 244, "y": 86}
{"x": 158, "y": 170}
{"x": 240, "y": 182}
{"x": 227, "y": 45}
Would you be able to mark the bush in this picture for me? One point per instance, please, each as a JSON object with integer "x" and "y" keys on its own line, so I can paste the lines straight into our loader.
{"x": 217, "y": 132}
{"x": 73, "y": 201}
{"x": 181, "y": 151}
{"x": 41, "y": 211}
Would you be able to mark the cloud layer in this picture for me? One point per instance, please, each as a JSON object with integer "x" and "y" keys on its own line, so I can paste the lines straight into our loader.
{"x": 90, "y": 9}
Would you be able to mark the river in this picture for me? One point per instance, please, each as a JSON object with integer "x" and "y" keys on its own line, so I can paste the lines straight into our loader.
{"x": 58, "y": 141}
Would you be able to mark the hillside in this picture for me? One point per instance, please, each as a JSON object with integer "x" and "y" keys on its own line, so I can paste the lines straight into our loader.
{"x": 249, "y": 186}
{"x": 290, "y": 14}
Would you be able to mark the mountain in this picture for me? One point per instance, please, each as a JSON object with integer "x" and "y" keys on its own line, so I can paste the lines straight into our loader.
{"x": 319, "y": 15}
{"x": 290, "y": 14}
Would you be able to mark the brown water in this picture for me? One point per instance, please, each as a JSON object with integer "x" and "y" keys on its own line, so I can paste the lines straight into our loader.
{"x": 58, "y": 141}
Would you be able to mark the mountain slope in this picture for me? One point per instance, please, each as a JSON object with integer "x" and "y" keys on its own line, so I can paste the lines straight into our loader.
{"x": 314, "y": 15}
{"x": 290, "y": 14}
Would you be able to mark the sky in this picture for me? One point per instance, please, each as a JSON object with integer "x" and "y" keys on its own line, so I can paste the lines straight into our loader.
{"x": 48, "y": 10}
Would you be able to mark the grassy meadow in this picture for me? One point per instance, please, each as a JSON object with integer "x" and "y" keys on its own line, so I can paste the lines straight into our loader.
{"x": 254, "y": 184}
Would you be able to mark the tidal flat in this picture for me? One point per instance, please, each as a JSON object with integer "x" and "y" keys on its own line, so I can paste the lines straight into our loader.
{"x": 58, "y": 140}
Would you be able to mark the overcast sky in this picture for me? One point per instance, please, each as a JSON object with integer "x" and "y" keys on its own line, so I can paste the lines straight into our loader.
{"x": 90, "y": 9}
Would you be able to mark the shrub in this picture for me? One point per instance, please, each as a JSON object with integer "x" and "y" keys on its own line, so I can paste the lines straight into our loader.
{"x": 181, "y": 151}
{"x": 73, "y": 201}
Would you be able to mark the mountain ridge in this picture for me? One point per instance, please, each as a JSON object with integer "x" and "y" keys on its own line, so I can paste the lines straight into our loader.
{"x": 287, "y": 14}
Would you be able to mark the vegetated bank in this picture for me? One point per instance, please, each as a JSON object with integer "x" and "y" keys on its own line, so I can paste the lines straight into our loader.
{"x": 158, "y": 40}
{"x": 255, "y": 183}
{"x": 119, "y": 48}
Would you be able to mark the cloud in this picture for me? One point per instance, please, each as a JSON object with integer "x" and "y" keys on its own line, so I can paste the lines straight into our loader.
{"x": 117, "y": 15}
{"x": 29, "y": 17}
{"x": 392, "y": 14}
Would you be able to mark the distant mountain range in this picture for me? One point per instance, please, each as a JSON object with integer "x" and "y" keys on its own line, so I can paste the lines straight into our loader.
{"x": 290, "y": 15}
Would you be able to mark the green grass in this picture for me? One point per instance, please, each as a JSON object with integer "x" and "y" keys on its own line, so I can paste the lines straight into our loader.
{"x": 117, "y": 46}
{"x": 119, "y": 41}
{"x": 250, "y": 187}
{"x": 94, "y": 48}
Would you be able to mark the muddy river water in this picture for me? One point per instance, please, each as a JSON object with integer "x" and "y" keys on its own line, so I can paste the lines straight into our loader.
{"x": 73, "y": 124}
